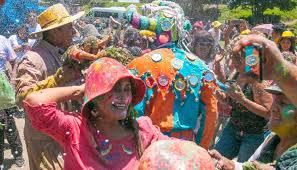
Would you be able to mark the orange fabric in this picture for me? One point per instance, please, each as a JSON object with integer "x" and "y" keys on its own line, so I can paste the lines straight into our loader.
{"x": 186, "y": 135}
{"x": 145, "y": 63}
{"x": 161, "y": 112}
{"x": 210, "y": 102}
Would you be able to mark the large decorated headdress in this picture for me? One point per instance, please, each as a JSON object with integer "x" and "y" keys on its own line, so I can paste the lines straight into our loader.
{"x": 165, "y": 18}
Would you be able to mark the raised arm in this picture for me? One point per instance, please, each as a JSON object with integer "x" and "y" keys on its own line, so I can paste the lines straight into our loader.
{"x": 276, "y": 67}
{"x": 57, "y": 95}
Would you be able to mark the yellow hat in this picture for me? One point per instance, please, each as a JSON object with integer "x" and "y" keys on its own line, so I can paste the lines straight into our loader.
{"x": 245, "y": 32}
{"x": 216, "y": 24}
{"x": 147, "y": 33}
{"x": 53, "y": 17}
{"x": 287, "y": 34}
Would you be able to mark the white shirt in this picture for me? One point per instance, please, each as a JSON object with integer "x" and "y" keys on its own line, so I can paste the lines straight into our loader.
{"x": 15, "y": 41}
{"x": 216, "y": 35}
{"x": 31, "y": 30}
{"x": 6, "y": 52}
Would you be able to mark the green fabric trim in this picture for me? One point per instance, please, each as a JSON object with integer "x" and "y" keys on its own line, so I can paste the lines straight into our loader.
{"x": 248, "y": 166}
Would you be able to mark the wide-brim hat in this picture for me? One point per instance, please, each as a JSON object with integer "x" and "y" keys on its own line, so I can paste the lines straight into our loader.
{"x": 216, "y": 24}
{"x": 102, "y": 76}
{"x": 287, "y": 35}
{"x": 274, "y": 89}
{"x": 53, "y": 17}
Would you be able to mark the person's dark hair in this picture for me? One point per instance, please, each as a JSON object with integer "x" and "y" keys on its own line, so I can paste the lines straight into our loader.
{"x": 291, "y": 49}
{"x": 129, "y": 122}
{"x": 203, "y": 36}
{"x": 279, "y": 28}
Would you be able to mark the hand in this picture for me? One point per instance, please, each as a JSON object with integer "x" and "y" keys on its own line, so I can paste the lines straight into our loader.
{"x": 219, "y": 58}
{"x": 67, "y": 73}
{"x": 220, "y": 96}
{"x": 235, "y": 93}
{"x": 101, "y": 54}
{"x": 272, "y": 56}
{"x": 222, "y": 162}
{"x": 79, "y": 93}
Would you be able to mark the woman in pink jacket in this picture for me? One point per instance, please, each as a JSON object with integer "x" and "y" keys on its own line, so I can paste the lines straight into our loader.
{"x": 105, "y": 134}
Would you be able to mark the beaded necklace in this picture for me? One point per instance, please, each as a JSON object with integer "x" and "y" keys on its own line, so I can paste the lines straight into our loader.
{"x": 105, "y": 147}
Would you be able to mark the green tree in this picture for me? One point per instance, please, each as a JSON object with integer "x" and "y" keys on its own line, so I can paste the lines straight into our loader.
{"x": 259, "y": 6}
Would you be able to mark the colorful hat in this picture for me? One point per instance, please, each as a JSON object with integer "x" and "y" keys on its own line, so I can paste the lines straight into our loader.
{"x": 174, "y": 155}
{"x": 216, "y": 24}
{"x": 53, "y": 17}
{"x": 101, "y": 77}
{"x": 287, "y": 34}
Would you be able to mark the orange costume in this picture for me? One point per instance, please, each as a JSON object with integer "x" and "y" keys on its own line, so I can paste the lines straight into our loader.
{"x": 179, "y": 97}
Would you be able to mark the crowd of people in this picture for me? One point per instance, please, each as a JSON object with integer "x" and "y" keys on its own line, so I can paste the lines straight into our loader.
{"x": 151, "y": 91}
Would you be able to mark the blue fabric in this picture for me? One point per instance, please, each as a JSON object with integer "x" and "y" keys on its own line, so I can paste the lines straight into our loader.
{"x": 185, "y": 116}
{"x": 232, "y": 144}
{"x": 14, "y": 13}
{"x": 221, "y": 85}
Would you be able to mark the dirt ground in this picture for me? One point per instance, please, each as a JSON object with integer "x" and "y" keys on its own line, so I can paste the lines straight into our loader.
{"x": 8, "y": 158}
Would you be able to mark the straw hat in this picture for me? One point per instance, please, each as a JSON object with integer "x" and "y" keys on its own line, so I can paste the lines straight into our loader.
{"x": 216, "y": 24}
{"x": 53, "y": 17}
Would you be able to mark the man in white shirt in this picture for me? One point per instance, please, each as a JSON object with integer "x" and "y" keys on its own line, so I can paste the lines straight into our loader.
{"x": 6, "y": 53}
{"x": 216, "y": 33}
{"x": 33, "y": 26}
{"x": 19, "y": 41}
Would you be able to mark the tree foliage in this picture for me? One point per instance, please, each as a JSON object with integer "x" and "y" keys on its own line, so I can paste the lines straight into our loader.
{"x": 259, "y": 7}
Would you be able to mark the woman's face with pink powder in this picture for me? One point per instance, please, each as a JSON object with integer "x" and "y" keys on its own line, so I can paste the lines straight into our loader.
{"x": 114, "y": 104}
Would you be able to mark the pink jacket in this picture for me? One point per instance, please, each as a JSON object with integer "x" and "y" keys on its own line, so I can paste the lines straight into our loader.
{"x": 71, "y": 131}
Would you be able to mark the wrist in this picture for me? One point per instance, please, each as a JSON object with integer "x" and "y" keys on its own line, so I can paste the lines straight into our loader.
{"x": 242, "y": 100}
{"x": 237, "y": 165}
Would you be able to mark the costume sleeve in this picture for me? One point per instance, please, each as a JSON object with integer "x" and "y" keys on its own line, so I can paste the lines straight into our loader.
{"x": 211, "y": 116}
{"x": 50, "y": 82}
{"x": 28, "y": 72}
{"x": 48, "y": 119}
